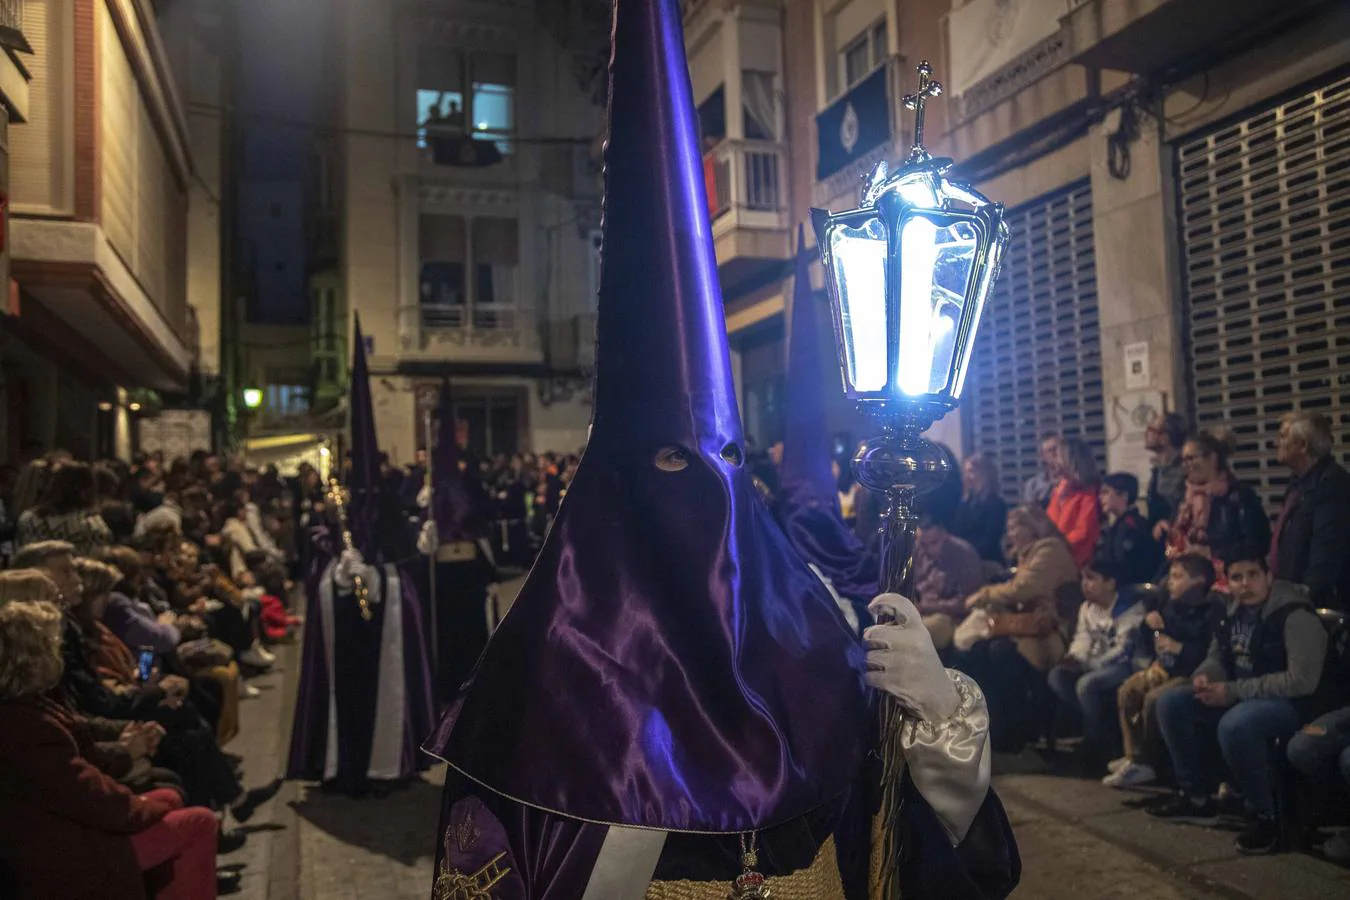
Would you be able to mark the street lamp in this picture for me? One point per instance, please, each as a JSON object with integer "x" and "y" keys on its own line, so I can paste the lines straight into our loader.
{"x": 908, "y": 274}
{"x": 252, "y": 398}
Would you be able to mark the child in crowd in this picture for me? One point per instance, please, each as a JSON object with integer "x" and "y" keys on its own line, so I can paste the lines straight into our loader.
{"x": 1127, "y": 539}
{"x": 1172, "y": 642}
{"x": 1099, "y": 658}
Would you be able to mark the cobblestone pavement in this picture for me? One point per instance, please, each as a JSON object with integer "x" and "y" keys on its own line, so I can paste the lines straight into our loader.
{"x": 1078, "y": 842}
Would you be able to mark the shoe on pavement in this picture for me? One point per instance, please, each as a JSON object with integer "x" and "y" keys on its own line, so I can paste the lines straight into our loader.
{"x": 1131, "y": 775}
{"x": 229, "y": 841}
{"x": 1116, "y": 765}
{"x": 1183, "y": 809}
{"x": 249, "y": 692}
{"x": 228, "y": 883}
{"x": 248, "y": 804}
{"x": 1337, "y": 847}
{"x": 1260, "y": 836}
{"x": 265, "y": 653}
{"x": 253, "y": 657}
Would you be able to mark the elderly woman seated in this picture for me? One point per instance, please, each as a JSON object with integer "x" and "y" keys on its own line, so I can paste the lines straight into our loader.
{"x": 1016, "y": 630}
{"x": 69, "y": 830}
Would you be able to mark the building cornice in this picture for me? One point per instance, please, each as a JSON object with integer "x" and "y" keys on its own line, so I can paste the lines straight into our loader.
{"x": 139, "y": 36}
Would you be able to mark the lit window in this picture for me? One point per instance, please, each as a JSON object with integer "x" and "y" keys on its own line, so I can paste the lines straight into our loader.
{"x": 863, "y": 55}
{"x": 488, "y": 110}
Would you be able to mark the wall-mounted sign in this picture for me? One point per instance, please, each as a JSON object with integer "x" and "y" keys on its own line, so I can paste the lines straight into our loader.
{"x": 1137, "y": 375}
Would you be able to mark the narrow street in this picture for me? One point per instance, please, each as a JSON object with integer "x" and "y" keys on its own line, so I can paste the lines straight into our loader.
{"x": 1078, "y": 841}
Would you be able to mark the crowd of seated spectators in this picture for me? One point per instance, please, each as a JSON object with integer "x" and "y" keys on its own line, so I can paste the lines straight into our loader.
{"x": 1189, "y": 642}
{"x": 136, "y": 603}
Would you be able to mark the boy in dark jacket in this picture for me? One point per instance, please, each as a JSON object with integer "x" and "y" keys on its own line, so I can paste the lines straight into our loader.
{"x": 1127, "y": 538}
{"x": 1172, "y": 642}
{"x": 1262, "y": 679}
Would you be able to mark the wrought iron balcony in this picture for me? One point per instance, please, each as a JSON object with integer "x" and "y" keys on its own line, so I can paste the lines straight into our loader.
{"x": 11, "y": 26}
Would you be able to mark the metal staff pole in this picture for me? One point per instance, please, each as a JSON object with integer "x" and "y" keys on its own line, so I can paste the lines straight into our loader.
{"x": 434, "y": 601}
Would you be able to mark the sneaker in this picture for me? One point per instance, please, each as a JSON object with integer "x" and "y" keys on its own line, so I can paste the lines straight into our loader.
{"x": 265, "y": 653}
{"x": 1260, "y": 836}
{"x": 1132, "y": 774}
{"x": 1116, "y": 765}
{"x": 1337, "y": 847}
{"x": 1183, "y": 809}
{"x": 230, "y": 841}
{"x": 249, "y": 692}
{"x": 253, "y": 657}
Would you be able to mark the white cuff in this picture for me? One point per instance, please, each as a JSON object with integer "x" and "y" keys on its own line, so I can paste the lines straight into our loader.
{"x": 950, "y": 760}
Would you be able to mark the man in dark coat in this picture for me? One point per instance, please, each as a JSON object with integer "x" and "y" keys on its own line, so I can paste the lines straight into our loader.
{"x": 1312, "y": 534}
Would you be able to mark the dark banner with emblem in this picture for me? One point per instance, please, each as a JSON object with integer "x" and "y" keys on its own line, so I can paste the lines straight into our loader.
{"x": 855, "y": 124}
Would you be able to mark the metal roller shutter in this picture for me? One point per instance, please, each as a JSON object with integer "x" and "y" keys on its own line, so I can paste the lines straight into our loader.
{"x": 1265, "y": 231}
{"x": 1037, "y": 359}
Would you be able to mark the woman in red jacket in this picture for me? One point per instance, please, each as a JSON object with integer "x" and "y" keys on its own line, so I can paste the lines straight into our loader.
{"x": 70, "y": 831}
{"x": 1074, "y": 505}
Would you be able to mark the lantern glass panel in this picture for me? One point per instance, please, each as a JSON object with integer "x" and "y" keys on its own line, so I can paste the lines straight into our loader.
{"x": 858, "y": 256}
{"x": 936, "y": 265}
{"x": 981, "y": 295}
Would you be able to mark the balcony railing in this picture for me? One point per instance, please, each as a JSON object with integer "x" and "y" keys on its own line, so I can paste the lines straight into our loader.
{"x": 486, "y": 317}
{"x": 745, "y": 176}
{"x": 11, "y": 26}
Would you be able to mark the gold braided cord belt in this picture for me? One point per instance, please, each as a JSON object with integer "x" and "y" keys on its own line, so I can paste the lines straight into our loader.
{"x": 819, "y": 881}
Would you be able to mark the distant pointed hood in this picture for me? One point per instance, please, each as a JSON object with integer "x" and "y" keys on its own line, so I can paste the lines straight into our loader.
{"x": 688, "y": 669}
{"x": 364, "y": 478}
{"x": 450, "y": 504}
{"x": 806, "y": 447}
{"x": 808, "y": 498}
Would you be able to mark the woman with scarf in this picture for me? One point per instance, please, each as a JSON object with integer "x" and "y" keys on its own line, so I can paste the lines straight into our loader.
{"x": 1218, "y": 513}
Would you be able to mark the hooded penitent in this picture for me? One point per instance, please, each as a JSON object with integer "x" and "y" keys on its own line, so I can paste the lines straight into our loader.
{"x": 365, "y": 698}
{"x": 671, "y": 661}
{"x": 808, "y": 501}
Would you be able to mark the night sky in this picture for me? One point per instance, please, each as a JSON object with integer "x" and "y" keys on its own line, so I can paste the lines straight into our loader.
{"x": 279, "y": 78}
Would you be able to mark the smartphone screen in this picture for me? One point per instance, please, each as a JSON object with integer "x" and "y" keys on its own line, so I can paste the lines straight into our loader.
{"x": 145, "y": 663}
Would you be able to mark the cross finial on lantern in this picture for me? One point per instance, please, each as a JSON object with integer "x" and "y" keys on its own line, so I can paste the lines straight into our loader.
{"x": 927, "y": 88}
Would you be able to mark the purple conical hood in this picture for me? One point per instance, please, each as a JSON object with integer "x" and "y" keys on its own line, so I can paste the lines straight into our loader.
{"x": 663, "y": 370}
{"x": 808, "y": 501}
{"x": 806, "y": 451}
{"x": 364, "y": 478}
{"x": 671, "y": 661}
{"x": 450, "y": 501}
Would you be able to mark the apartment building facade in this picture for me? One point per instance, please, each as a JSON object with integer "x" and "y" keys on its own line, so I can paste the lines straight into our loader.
{"x": 468, "y": 213}
{"x": 1174, "y": 173}
{"x": 100, "y": 169}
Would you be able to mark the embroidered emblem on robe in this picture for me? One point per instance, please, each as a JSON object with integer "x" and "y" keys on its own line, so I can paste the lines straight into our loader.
{"x": 477, "y": 862}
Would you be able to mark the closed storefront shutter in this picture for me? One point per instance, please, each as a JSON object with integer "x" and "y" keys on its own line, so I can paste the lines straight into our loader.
{"x": 1265, "y": 230}
{"x": 1037, "y": 357}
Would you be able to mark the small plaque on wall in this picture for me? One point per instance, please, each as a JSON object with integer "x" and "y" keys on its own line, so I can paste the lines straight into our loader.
{"x": 1137, "y": 376}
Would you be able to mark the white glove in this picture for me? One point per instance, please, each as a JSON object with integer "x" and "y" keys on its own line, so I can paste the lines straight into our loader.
{"x": 424, "y": 497}
{"x": 428, "y": 539}
{"x": 349, "y": 565}
{"x": 902, "y": 661}
{"x": 975, "y": 628}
